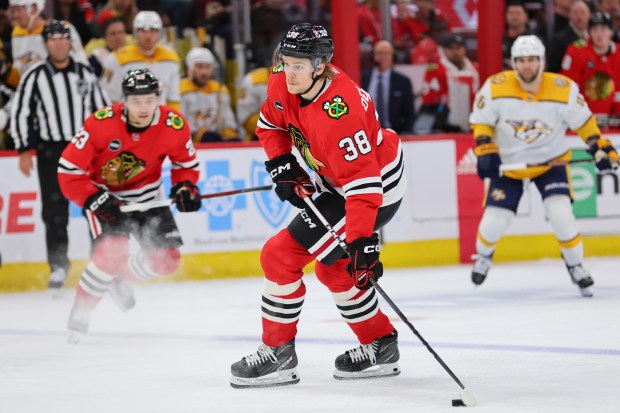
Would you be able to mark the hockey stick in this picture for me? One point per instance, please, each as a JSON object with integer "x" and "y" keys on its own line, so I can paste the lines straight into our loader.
{"x": 144, "y": 206}
{"x": 466, "y": 398}
{"x": 522, "y": 165}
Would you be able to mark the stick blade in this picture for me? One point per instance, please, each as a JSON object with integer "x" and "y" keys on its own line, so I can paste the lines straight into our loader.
{"x": 468, "y": 399}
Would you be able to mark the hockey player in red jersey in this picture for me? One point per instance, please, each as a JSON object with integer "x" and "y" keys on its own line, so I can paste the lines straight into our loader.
{"x": 359, "y": 174}
{"x": 594, "y": 65}
{"x": 116, "y": 158}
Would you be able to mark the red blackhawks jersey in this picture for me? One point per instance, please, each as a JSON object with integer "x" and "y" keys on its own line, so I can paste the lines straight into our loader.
{"x": 340, "y": 139}
{"x": 598, "y": 76}
{"x": 104, "y": 154}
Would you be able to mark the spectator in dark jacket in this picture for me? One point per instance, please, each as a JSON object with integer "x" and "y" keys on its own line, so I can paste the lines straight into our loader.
{"x": 577, "y": 28}
{"x": 391, "y": 91}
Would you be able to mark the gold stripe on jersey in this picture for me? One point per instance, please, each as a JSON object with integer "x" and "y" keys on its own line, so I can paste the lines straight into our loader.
{"x": 212, "y": 86}
{"x": 589, "y": 129}
{"x": 19, "y": 31}
{"x": 554, "y": 88}
{"x": 483, "y": 130}
{"x": 131, "y": 53}
{"x": 260, "y": 75}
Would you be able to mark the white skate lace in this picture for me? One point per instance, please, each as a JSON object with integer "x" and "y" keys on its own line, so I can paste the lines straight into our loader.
{"x": 263, "y": 354}
{"x": 363, "y": 352}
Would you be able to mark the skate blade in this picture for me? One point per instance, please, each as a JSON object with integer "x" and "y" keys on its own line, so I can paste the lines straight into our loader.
{"x": 382, "y": 370}
{"x": 278, "y": 378}
{"x": 74, "y": 337}
{"x": 586, "y": 292}
{"x": 122, "y": 305}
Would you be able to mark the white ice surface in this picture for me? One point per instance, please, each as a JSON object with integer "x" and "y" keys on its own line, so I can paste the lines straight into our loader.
{"x": 525, "y": 341}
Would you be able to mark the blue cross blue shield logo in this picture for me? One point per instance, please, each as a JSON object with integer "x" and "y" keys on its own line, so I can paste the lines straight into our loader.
{"x": 269, "y": 205}
{"x": 221, "y": 209}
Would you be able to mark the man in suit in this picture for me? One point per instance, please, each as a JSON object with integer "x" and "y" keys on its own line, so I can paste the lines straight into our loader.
{"x": 577, "y": 28}
{"x": 391, "y": 91}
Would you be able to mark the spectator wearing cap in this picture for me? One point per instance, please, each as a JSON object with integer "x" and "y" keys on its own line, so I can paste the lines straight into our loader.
{"x": 205, "y": 102}
{"x": 145, "y": 53}
{"x": 391, "y": 91}
{"x": 577, "y": 28}
{"x": 516, "y": 25}
{"x": 594, "y": 65}
{"x": 450, "y": 86}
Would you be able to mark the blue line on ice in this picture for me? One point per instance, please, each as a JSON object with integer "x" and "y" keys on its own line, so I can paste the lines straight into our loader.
{"x": 256, "y": 339}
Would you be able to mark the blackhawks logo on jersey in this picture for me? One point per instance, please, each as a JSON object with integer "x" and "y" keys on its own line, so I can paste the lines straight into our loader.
{"x": 303, "y": 147}
{"x": 336, "y": 108}
{"x": 599, "y": 87}
{"x": 530, "y": 130}
{"x": 175, "y": 121}
{"x": 104, "y": 113}
{"x": 121, "y": 168}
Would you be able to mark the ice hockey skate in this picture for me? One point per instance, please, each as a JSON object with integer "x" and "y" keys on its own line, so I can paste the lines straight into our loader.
{"x": 57, "y": 281}
{"x": 377, "y": 359}
{"x": 482, "y": 265}
{"x": 269, "y": 366}
{"x": 121, "y": 292}
{"x": 582, "y": 278}
{"x": 79, "y": 319}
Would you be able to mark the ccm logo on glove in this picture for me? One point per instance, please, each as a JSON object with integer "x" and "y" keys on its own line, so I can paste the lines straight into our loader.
{"x": 97, "y": 202}
{"x": 280, "y": 169}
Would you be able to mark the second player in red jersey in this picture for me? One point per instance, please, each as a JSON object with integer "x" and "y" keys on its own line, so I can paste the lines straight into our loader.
{"x": 116, "y": 158}
{"x": 359, "y": 172}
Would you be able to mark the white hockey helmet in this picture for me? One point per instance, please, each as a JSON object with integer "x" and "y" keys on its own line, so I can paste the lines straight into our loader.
{"x": 528, "y": 45}
{"x": 199, "y": 55}
{"x": 147, "y": 20}
{"x": 28, "y": 4}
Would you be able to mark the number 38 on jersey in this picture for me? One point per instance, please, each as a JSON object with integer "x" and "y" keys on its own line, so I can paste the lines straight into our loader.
{"x": 355, "y": 146}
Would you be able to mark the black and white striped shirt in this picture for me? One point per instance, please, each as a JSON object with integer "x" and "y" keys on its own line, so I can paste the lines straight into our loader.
{"x": 60, "y": 100}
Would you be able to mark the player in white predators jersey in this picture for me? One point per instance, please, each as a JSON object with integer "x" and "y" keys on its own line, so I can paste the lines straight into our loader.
{"x": 27, "y": 45}
{"x": 521, "y": 116}
{"x": 146, "y": 53}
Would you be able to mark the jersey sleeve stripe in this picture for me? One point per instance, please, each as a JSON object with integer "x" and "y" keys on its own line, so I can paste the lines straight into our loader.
{"x": 262, "y": 123}
{"x": 362, "y": 182}
{"x": 66, "y": 167}
{"x": 193, "y": 164}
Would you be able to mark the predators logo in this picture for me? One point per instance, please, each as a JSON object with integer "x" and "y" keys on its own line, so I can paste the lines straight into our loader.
{"x": 498, "y": 194}
{"x": 121, "y": 169}
{"x": 599, "y": 87}
{"x": 530, "y": 130}
{"x": 303, "y": 147}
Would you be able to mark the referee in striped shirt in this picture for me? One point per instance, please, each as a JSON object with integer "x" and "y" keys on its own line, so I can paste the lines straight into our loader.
{"x": 53, "y": 99}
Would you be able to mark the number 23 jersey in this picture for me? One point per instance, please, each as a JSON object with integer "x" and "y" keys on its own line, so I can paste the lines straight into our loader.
{"x": 340, "y": 139}
{"x": 105, "y": 154}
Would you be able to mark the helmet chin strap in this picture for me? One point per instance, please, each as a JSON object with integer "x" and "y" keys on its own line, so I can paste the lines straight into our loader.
{"x": 314, "y": 80}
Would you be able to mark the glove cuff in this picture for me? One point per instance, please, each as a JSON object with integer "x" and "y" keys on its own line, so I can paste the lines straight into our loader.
{"x": 358, "y": 242}
{"x": 287, "y": 157}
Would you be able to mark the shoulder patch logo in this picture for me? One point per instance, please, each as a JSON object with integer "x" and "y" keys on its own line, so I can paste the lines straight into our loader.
{"x": 277, "y": 68}
{"x": 278, "y": 106}
{"x": 114, "y": 145}
{"x": 175, "y": 121}
{"x": 336, "y": 108}
{"x": 121, "y": 168}
{"x": 498, "y": 79}
{"x": 561, "y": 82}
{"x": 580, "y": 43}
{"x": 105, "y": 113}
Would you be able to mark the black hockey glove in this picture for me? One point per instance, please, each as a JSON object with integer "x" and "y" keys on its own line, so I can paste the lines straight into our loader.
{"x": 604, "y": 154}
{"x": 365, "y": 261}
{"x": 290, "y": 179}
{"x": 186, "y": 196}
{"x": 489, "y": 161}
{"x": 106, "y": 207}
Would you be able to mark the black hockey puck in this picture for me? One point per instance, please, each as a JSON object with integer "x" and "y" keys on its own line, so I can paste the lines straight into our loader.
{"x": 457, "y": 402}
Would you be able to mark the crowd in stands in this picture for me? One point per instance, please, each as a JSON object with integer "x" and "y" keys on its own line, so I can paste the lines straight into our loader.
{"x": 176, "y": 39}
